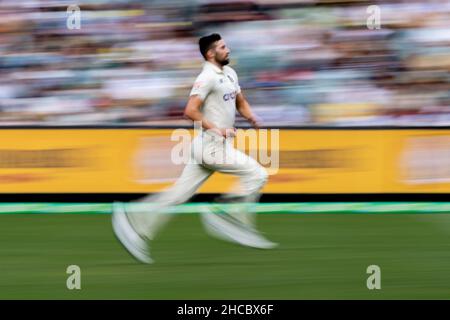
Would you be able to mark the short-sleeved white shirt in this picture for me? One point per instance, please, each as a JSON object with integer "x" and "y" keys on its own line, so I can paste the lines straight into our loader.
{"x": 218, "y": 90}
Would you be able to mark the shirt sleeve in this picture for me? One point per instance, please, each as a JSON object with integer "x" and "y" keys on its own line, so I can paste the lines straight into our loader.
{"x": 203, "y": 85}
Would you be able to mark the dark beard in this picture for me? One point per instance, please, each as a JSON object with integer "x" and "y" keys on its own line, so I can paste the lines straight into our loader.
{"x": 224, "y": 62}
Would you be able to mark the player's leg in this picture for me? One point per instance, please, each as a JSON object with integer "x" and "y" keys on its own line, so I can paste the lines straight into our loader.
{"x": 132, "y": 242}
{"x": 220, "y": 155}
{"x": 134, "y": 228}
{"x": 153, "y": 212}
{"x": 252, "y": 178}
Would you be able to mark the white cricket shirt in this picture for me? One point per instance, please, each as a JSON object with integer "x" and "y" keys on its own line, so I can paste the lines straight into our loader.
{"x": 218, "y": 89}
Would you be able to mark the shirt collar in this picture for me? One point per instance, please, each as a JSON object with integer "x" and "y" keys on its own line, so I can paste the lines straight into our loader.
{"x": 213, "y": 66}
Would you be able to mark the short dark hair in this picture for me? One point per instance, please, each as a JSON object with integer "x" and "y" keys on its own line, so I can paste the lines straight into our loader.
{"x": 205, "y": 43}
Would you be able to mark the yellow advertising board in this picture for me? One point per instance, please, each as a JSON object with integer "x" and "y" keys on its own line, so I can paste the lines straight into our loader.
{"x": 308, "y": 161}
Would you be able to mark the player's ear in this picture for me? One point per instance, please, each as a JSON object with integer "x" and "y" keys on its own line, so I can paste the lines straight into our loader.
{"x": 210, "y": 53}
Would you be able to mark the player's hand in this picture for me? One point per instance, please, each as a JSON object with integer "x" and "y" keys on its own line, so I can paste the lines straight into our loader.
{"x": 227, "y": 132}
{"x": 255, "y": 121}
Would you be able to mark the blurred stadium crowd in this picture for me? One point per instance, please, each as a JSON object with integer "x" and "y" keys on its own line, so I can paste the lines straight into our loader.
{"x": 300, "y": 62}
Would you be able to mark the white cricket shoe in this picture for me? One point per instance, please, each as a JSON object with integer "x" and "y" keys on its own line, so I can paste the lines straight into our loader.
{"x": 219, "y": 226}
{"x": 125, "y": 233}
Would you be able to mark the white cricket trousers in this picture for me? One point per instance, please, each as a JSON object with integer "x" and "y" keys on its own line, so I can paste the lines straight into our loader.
{"x": 209, "y": 153}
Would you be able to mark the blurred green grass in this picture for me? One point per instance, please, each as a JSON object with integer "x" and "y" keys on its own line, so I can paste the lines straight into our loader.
{"x": 321, "y": 256}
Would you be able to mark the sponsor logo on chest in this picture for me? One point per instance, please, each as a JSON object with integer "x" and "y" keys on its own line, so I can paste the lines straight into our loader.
{"x": 228, "y": 95}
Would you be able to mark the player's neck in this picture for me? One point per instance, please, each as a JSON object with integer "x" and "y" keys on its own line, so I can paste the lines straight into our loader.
{"x": 216, "y": 64}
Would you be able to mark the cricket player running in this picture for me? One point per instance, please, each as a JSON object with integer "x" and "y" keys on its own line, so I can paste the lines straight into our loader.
{"x": 213, "y": 102}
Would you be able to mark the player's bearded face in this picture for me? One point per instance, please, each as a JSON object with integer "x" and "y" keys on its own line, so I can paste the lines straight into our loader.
{"x": 222, "y": 53}
{"x": 223, "y": 60}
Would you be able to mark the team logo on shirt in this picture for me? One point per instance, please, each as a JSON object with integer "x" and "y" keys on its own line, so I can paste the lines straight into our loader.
{"x": 230, "y": 96}
{"x": 231, "y": 79}
{"x": 198, "y": 85}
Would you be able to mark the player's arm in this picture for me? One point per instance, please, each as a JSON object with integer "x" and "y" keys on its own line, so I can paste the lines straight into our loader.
{"x": 192, "y": 112}
{"x": 243, "y": 107}
{"x": 202, "y": 87}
